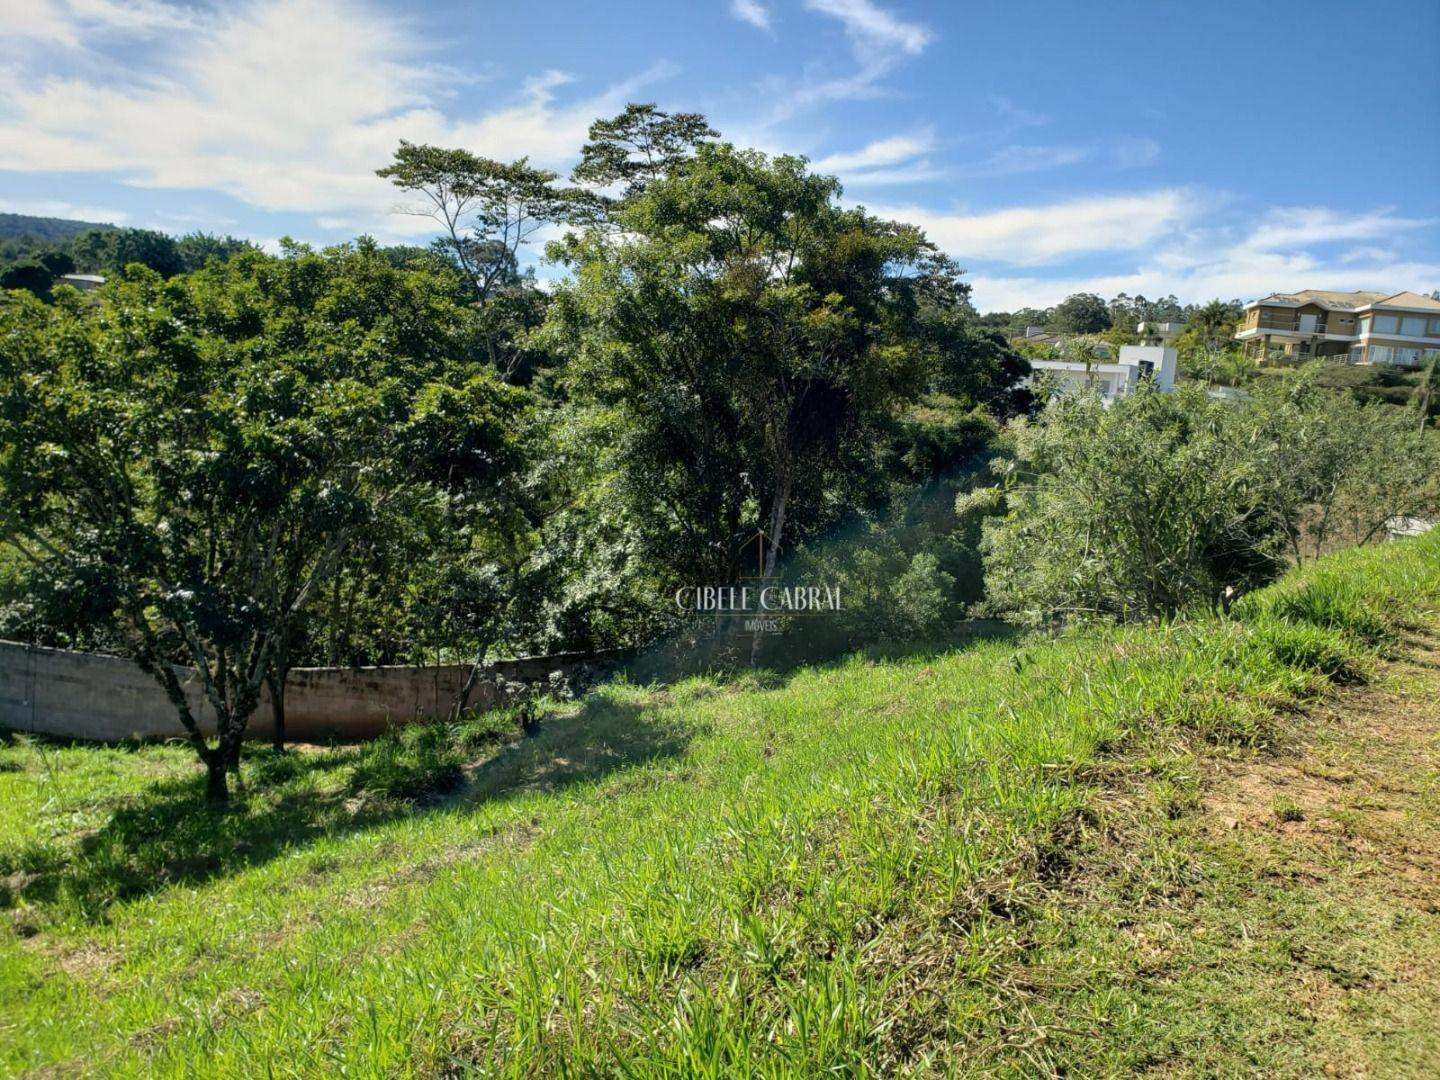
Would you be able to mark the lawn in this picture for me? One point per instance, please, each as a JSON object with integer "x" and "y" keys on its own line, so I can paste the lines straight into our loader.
{"x": 844, "y": 868}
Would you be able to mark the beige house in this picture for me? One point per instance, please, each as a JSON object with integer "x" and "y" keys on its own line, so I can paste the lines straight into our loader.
{"x": 1363, "y": 327}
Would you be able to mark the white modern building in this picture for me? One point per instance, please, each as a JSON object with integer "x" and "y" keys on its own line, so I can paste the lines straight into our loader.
{"x": 1136, "y": 363}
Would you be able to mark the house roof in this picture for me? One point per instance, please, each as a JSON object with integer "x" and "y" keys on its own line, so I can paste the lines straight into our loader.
{"x": 1326, "y": 298}
{"x": 1410, "y": 301}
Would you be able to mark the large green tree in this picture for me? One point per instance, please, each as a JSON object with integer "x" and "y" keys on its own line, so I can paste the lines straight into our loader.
{"x": 218, "y": 442}
{"x": 743, "y": 341}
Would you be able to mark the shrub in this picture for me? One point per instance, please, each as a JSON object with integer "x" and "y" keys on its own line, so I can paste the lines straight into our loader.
{"x": 1137, "y": 510}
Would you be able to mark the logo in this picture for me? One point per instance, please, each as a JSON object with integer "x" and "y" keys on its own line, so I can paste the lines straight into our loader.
{"x": 760, "y": 600}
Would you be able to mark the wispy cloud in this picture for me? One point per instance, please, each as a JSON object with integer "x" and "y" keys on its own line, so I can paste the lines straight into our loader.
{"x": 1135, "y": 153}
{"x": 879, "y": 41}
{"x": 873, "y": 30}
{"x": 1293, "y": 226}
{"x": 1283, "y": 248}
{"x": 1016, "y": 116}
{"x": 898, "y": 159}
{"x": 752, "y": 12}
{"x": 1036, "y": 235}
{"x": 288, "y": 105}
{"x": 890, "y": 151}
{"x": 1013, "y": 160}
{"x": 67, "y": 23}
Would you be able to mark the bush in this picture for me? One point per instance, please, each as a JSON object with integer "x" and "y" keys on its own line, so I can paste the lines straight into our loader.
{"x": 1141, "y": 509}
{"x": 1162, "y": 503}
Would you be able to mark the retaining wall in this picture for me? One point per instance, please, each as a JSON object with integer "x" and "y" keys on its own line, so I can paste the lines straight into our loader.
{"x": 107, "y": 698}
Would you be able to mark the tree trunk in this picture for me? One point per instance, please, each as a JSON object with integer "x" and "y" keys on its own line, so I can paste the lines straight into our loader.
{"x": 217, "y": 792}
{"x": 772, "y": 556}
{"x": 277, "y": 707}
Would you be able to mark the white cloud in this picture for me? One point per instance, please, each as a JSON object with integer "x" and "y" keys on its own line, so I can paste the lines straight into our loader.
{"x": 898, "y": 159}
{"x": 879, "y": 41}
{"x": 1014, "y": 160}
{"x": 872, "y": 29}
{"x": 1309, "y": 225}
{"x": 66, "y": 23}
{"x": 1278, "y": 252}
{"x": 891, "y": 151}
{"x": 752, "y": 12}
{"x": 1035, "y": 235}
{"x": 288, "y": 106}
{"x": 1016, "y": 116}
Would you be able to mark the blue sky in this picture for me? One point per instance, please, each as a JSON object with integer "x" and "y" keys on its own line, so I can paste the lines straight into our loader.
{"x": 1202, "y": 149}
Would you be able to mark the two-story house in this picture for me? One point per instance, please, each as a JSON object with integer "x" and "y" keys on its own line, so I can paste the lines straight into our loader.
{"x": 1363, "y": 327}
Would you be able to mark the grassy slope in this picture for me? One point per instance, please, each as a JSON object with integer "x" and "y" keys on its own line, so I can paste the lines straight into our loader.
{"x": 850, "y": 869}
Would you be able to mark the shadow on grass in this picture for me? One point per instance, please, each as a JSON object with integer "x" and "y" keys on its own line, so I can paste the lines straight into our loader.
{"x": 779, "y": 659}
{"x": 166, "y": 836}
{"x": 600, "y": 737}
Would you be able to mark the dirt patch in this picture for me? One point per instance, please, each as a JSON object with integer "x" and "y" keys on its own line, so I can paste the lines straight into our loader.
{"x": 1355, "y": 802}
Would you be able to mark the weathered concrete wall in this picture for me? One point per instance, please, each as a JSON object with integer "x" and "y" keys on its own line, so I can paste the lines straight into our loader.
{"x": 106, "y": 698}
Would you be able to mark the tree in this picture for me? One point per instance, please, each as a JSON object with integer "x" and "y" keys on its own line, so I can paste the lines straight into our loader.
{"x": 1082, "y": 313}
{"x": 30, "y": 275}
{"x": 1338, "y": 468}
{"x": 641, "y": 145}
{"x": 109, "y": 251}
{"x": 218, "y": 441}
{"x": 738, "y": 345}
{"x": 488, "y": 211}
{"x": 198, "y": 248}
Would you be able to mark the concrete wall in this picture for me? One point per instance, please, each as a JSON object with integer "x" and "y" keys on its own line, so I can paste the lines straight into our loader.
{"x": 105, "y": 698}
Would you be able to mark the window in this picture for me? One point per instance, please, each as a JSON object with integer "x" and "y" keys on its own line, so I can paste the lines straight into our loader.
{"x": 1426, "y": 355}
{"x": 1385, "y": 324}
{"x": 1365, "y": 324}
{"x": 1433, "y": 329}
{"x": 1380, "y": 354}
{"x": 1412, "y": 326}
{"x": 1407, "y": 357}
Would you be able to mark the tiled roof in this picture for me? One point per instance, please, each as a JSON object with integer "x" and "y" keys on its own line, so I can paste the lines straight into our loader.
{"x": 1326, "y": 298}
{"x": 1408, "y": 300}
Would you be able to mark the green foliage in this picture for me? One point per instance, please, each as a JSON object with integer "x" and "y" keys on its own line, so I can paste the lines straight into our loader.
{"x": 1161, "y": 503}
{"x": 1082, "y": 313}
{"x": 212, "y": 447}
{"x": 737, "y": 343}
{"x": 642, "y": 144}
{"x": 411, "y": 763}
{"x": 1136, "y": 510}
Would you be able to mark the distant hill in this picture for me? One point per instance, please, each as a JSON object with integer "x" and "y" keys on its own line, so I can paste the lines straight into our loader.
{"x": 48, "y": 230}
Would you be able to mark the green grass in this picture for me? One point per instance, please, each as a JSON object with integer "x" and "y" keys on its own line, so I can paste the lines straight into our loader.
{"x": 835, "y": 871}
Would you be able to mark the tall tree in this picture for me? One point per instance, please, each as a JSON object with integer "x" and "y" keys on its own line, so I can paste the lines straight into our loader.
{"x": 641, "y": 145}
{"x": 218, "y": 441}
{"x": 742, "y": 339}
{"x": 487, "y": 211}
{"x": 1082, "y": 313}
